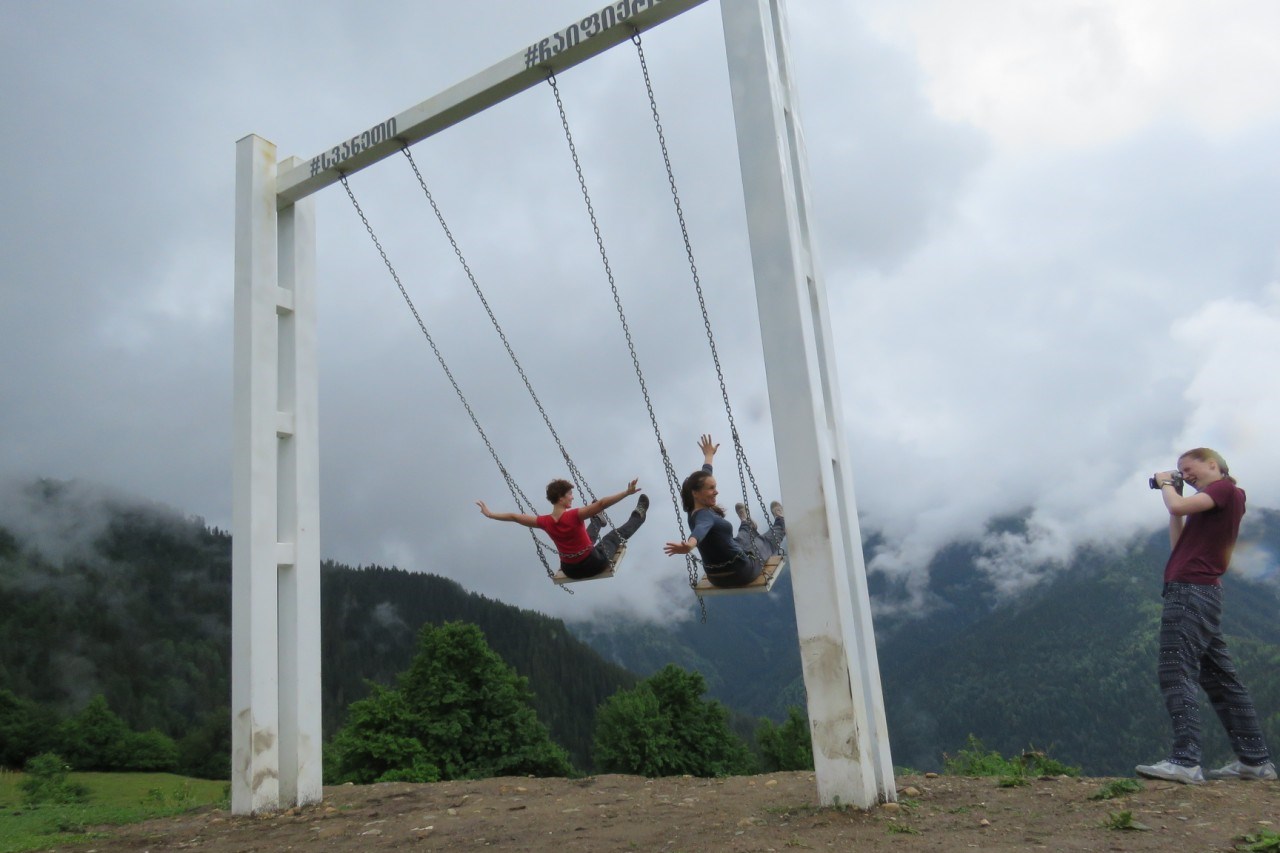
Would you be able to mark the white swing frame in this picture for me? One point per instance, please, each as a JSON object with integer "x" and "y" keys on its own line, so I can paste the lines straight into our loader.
{"x": 276, "y": 695}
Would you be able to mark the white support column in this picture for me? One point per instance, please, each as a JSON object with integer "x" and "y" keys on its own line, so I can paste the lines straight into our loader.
{"x": 275, "y": 574}
{"x": 255, "y": 759}
{"x": 299, "y": 508}
{"x": 833, "y": 610}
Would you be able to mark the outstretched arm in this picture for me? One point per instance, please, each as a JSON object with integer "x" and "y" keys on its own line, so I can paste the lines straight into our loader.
{"x": 701, "y": 527}
{"x": 671, "y": 549}
{"x": 518, "y": 518}
{"x": 601, "y": 504}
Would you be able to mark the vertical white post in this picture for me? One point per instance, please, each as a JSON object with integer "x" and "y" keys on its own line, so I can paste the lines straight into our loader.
{"x": 275, "y": 557}
{"x": 297, "y": 432}
{"x": 255, "y": 758}
{"x": 833, "y": 610}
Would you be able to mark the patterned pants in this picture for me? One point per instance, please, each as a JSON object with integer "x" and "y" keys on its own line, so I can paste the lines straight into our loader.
{"x": 1192, "y": 650}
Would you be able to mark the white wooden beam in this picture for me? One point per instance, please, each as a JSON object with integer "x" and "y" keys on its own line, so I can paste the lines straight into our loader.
{"x": 574, "y": 44}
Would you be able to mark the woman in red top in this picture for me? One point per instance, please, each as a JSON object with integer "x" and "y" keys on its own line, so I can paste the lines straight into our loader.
{"x": 1202, "y": 531}
{"x": 581, "y": 556}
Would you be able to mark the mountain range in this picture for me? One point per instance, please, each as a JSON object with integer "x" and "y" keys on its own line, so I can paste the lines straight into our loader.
{"x": 132, "y": 601}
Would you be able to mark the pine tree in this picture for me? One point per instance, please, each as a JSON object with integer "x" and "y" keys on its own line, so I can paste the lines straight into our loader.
{"x": 458, "y": 712}
{"x": 664, "y": 728}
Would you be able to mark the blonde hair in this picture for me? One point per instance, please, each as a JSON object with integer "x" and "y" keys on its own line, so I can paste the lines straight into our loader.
{"x": 1205, "y": 454}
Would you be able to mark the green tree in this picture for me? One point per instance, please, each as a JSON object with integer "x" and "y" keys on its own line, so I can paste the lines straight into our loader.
{"x": 95, "y": 738}
{"x": 205, "y": 750}
{"x": 458, "y": 712}
{"x": 788, "y": 746}
{"x": 663, "y": 727}
{"x": 47, "y": 782}
{"x": 25, "y": 730}
{"x": 149, "y": 751}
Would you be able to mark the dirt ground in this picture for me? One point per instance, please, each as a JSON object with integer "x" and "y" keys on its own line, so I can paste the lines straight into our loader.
{"x": 773, "y": 812}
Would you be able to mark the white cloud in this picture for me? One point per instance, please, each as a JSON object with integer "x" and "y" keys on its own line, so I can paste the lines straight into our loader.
{"x": 1030, "y": 218}
{"x": 1080, "y": 74}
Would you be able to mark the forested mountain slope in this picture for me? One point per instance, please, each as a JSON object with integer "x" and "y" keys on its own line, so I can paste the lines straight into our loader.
{"x": 133, "y": 601}
{"x": 135, "y": 604}
{"x": 1067, "y": 666}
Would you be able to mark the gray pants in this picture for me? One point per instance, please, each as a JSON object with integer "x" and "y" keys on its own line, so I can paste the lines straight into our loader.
{"x": 1192, "y": 651}
{"x": 749, "y": 566}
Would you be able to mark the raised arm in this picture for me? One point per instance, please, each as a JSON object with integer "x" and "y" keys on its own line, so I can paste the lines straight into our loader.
{"x": 518, "y": 518}
{"x": 708, "y": 448}
{"x": 600, "y": 504}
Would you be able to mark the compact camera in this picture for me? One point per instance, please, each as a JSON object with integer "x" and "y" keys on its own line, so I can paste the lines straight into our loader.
{"x": 1177, "y": 483}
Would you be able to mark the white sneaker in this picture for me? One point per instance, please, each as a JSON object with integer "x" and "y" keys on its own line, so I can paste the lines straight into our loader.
{"x": 1240, "y": 770}
{"x": 776, "y": 509}
{"x": 1171, "y": 772}
{"x": 743, "y": 513}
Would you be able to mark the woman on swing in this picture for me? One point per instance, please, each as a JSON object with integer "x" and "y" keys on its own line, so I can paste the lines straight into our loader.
{"x": 727, "y": 560}
{"x": 581, "y": 555}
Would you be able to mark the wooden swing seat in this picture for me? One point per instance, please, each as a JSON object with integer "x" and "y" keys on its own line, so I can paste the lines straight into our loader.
{"x": 773, "y": 567}
{"x": 561, "y": 578}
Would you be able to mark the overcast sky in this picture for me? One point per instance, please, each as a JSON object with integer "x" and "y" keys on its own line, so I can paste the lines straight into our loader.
{"x": 1050, "y": 235}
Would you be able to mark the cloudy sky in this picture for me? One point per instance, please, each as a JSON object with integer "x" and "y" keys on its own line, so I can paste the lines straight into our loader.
{"x": 1050, "y": 235}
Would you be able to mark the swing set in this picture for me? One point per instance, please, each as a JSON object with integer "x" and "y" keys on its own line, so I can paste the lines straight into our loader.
{"x": 776, "y": 563}
{"x": 276, "y": 730}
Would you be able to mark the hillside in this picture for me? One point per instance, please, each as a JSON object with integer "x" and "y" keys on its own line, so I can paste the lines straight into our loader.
{"x": 134, "y": 602}
{"x": 1068, "y": 666}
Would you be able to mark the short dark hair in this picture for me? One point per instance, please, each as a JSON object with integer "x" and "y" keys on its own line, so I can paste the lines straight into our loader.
{"x": 557, "y": 489}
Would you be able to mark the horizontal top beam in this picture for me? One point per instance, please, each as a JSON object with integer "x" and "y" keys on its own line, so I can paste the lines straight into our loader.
{"x": 576, "y": 43}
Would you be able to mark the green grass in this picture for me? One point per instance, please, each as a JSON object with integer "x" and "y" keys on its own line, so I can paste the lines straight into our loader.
{"x": 1265, "y": 841}
{"x": 976, "y": 760}
{"x": 114, "y": 798}
{"x": 1117, "y": 788}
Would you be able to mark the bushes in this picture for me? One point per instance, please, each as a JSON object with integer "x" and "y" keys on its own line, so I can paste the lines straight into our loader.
{"x": 788, "y": 746}
{"x": 458, "y": 712}
{"x": 94, "y": 739}
{"x": 664, "y": 728}
{"x": 97, "y": 739}
{"x": 46, "y": 782}
{"x": 977, "y": 760}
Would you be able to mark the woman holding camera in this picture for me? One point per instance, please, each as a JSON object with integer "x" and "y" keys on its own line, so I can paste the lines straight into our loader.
{"x": 1202, "y": 531}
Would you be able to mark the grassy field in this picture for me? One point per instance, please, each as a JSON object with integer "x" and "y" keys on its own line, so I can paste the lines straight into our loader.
{"x": 114, "y": 798}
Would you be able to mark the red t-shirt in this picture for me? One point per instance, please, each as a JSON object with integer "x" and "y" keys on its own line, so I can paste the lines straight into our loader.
{"x": 1203, "y": 551}
{"x": 569, "y": 534}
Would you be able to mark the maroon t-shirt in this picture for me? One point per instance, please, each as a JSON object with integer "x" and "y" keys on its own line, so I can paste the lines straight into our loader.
{"x": 1203, "y": 551}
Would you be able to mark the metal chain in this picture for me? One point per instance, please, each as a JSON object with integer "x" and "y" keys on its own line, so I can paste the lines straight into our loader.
{"x": 583, "y": 487}
{"x": 522, "y": 501}
{"x": 744, "y": 467}
{"x": 673, "y": 481}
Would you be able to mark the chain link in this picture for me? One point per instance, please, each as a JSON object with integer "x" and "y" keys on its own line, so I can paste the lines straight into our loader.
{"x": 578, "y": 479}
{"x": 522, "y": 501}
{"x": 673, "y": 481}
{"x": 744, "y": 467}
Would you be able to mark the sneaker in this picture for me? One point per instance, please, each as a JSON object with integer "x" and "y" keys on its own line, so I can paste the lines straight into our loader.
{"x": 1171, "y": 772}
{"x": 642, "y": 505}
{"x": 776, "y": 509}
{"x": 743, "y": 513}
{"x": 1248, "y": 772}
